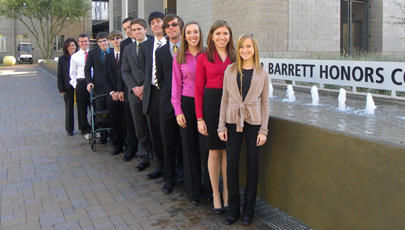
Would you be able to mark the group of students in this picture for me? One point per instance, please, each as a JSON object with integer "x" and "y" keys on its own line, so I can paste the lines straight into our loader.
{"x": 190, "y": 106}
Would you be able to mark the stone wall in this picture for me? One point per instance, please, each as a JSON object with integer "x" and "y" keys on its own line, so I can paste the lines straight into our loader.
{"x": 393, "y": 35}
{"x": 198, "y": 11}
{"x": 314, "y": 26}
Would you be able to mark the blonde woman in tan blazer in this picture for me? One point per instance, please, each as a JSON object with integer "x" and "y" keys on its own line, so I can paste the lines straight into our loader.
{"x": 244, "y": 112}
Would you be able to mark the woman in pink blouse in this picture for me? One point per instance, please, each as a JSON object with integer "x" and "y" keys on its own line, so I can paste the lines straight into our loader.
{"x": 183, "y": 86}
{"x": 244, "y": 112}
{"x": 208, "y": 91}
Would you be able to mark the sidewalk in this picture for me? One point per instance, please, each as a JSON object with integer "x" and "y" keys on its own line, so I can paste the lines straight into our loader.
{"x": 52, "y": 181}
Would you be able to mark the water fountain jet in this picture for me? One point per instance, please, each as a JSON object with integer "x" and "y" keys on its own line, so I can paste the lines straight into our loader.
{"x": 290, "y": 94}
{"x": 370, "y": 105}
{"x": 315, "y": 95}
{"x": 342, "y": 99}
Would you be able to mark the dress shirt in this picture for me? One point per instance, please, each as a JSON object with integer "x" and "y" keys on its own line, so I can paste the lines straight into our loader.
{"x": 183, "y": 80}
{"x": 103, "y": 54}
{"x": 139, "y": 43}
{"x": 155, "y": 45}
{"x": 172, "y": 44}
{"x": 77, "y": 63}
{"x": 208, "y": 75}
{"x": 115, "y": 55}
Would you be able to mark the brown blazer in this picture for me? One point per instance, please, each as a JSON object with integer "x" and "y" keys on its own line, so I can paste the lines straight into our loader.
{"x": 254, "y": 109}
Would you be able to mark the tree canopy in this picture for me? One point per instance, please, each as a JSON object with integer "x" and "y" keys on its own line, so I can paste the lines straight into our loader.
{"x": 44, "y": 19}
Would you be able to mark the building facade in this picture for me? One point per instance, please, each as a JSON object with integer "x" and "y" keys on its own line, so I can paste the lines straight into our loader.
{"x": 13, "y": 32}
{"x": 294, "y": 28}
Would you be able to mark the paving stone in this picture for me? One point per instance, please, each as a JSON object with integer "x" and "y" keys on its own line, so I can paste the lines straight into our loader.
{"x": 49, "y": 180}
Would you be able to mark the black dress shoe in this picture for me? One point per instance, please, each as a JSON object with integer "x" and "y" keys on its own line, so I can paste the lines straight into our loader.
{"x": 155, "y": 174}
{"x": 246, "y": 221}
{"x": 128, "y": 156}
{"x": 141, "y": 166}
{"x": 70, "y": 133}
{"x": 231, "y": 220}
{"x": 194, "y": 202}
{"x": 167, "y": 188}
{"x": 180, "y": 177}
{"x": 116, "y": 151}
{"x": 218, "y": 211}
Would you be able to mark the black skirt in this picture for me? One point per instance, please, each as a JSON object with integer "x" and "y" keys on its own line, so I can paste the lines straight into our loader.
{"x": 211, "y": 107}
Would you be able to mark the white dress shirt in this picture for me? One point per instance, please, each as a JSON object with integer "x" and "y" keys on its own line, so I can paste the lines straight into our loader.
{"x": 77, "y": 63}
{"x": 155, "y": 41}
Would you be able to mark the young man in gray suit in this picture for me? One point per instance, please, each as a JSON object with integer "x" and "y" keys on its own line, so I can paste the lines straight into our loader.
{"x": 134, "y": 79}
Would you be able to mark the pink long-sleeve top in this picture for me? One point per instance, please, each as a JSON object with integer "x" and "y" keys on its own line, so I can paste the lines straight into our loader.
{"x": 183, "y": 80}
{"x": 208, "y": 75}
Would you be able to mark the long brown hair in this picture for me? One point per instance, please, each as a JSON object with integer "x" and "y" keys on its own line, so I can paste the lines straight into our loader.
{"x": 230, "y": 49}
{"x": 184, "y": 44}
{"x": 66, "y": 45}
{"x": 256, "y": 56}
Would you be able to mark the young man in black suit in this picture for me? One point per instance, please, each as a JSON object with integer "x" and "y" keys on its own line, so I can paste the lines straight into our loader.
{"x": 150, "y": 101}
{"x": 94, "y": 73}
{"x": 172, "y": 25}
{"x": 134, "y": 79}
{"x": 115, "y": 104}
{"x": 131, "y": 139}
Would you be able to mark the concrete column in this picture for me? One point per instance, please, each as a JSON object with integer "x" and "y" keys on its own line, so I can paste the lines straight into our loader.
{"x": 124, "y": 7}
{"x": 145, "y": 7}
{"x": 111, "y": 15}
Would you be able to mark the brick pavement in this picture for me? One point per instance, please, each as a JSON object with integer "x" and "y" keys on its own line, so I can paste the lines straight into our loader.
{"x": 52, "y": 181}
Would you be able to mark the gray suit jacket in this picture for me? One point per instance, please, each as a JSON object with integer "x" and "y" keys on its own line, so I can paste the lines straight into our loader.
{"x": 131, "y": 71}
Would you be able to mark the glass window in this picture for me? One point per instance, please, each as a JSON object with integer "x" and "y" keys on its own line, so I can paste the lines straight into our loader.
{"x": 22, "y": 38}
{"x": 58, "y": 43}
{"x": 2, "y": 43}
{"x": 354, "y": 25}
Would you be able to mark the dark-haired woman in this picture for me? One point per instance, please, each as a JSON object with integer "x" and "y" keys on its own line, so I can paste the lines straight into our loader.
{"x": 209, "y": 79}
{"x": 183, "y": 87}
{"x": 69, "y": 48}
{"x": 244, "y": 112}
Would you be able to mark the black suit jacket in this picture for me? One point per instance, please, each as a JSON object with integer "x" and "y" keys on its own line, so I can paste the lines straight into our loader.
{"x": 145, "y": 55}
{"x": 94, "y": 60}
{"x": 121, "y": 83}
{"x": 63, "y": 74}
{"x": 111, "y": 73}
{"x": 164, "y": 67}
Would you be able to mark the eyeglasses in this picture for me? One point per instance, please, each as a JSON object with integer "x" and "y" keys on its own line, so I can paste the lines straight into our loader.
{"x": 172, "y": 25}
{"x": 115, "y": 38}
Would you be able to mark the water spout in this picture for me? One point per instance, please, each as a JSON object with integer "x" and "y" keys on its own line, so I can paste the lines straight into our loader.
{"x": 315, "y": 95}
{"x": 290, "y": 94}
{"x": 342, "y": 99}
{"x": 370, "y": 105}
{"x": 270, "y": 90}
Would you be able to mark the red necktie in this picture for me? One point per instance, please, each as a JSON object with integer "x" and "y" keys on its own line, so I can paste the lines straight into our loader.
{"x": 85, "y": 58}
{"x": 117, "y": 59}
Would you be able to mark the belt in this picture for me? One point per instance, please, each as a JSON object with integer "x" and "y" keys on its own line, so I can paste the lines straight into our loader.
{"x": 80, "y": 79}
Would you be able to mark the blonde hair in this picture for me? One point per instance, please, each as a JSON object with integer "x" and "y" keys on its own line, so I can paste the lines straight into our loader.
{"x": 256, "y": 56}
{"x": 184, "y": 44}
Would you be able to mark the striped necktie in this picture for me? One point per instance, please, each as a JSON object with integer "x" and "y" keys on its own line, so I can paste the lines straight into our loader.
{"x": 155, "y": 83}
{"x": 117, "y": 58}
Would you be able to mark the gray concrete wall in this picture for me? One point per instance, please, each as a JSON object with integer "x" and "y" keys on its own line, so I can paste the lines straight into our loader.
{"x": 314, "y": 26}
{"x": 196, "y": 10}
{"x": 145, "y": 7}
{"x": 376, "y": 25}
{"x": 393, "y": 35}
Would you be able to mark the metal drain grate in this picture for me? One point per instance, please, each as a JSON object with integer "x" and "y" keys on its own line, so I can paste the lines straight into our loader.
{"x": 274, "y": 218}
